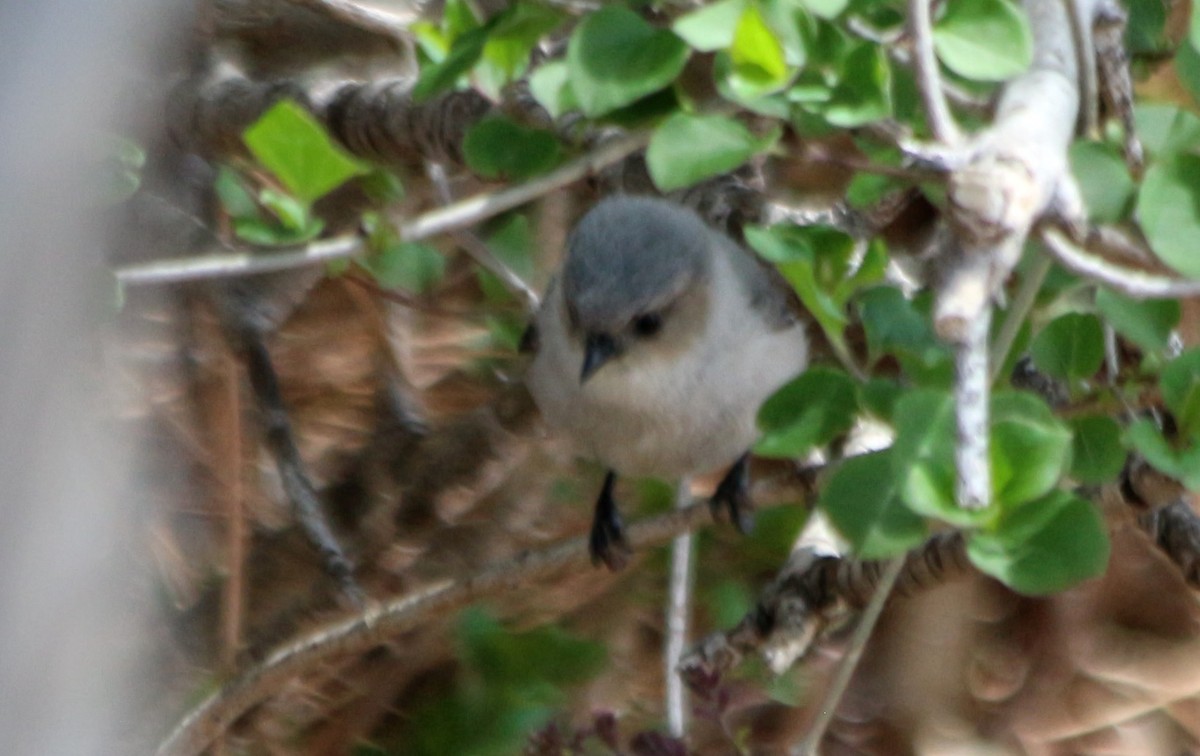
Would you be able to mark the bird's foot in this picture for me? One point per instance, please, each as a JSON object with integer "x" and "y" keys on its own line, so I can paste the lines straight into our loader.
{"x": 733, "y": 494}
{"x": 607, "y": 543}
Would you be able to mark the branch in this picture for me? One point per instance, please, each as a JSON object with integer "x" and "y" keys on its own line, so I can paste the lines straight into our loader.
{"x": 368, "y": 19}
{"x": 478, "y": 250}
{"x": 814, "y": 592}
{"x": 972, "y": 383}
{"x": 293, "y": 473}
{"x": 929, "y": 80}
{"x": 679, "y": 603}
{"x": 458, "y": 215}
{"x": 858, "y": 642}
{"x": 1134, "y": 283}
{"x": 379, "y": 624}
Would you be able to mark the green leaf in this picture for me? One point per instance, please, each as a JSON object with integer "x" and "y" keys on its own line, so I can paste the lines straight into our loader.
{"x": 864, "y": 93}
{"x": 1144, "y": 32}
{"x": 459, "y": 18}
{"x": 411, "y": 266}
{"x": 1146, "y": 322}
{"x": 464, "y": 54}
{"x": 516, "y": 33}
{"x": 1194, "y": 30}
{"x": 234, "y": 196}
{"x": 923, "y": 457}
{"x": 984, "y": 40}
{"x": 1071, "y": 347}
{"x": 1168, "y": 209}
{"x": 1097, "y": 454}
{"x": 1166, "y": 130}
{"x": 895, "y": 326}
{"x": 726, "y": 602}
{"x": 546, "y": 653}
{"x": 1187, "y": 67}
{"x": 291, "y": 212}
{"x": 382, "y": 186}
{"x": 511, "y": 240}
{"x": 863, "y": 503}
{"x": 710, "y": 27}
{"x": 756, "y": 52}
{"x": 1183, "y": 464}
{"x": 1107, "y": 187}
{"x": 1030, "y": 448}
{"x": 1180, "y": 384}
{"x": 813, "y": 276}
{"x": 499, "y": 148}
{"x": 808, "y": 412}
{"x": 878, "y": 396}
{"x": 686, "y": 149}
{"x": 551, "y": 89}
{"x": 615, "y": 57}
{"x": 293, "y": 145}
{"x": 826, "y": 8}
{"x": 272, "y": 234}
{"x": 1044, "y": 546}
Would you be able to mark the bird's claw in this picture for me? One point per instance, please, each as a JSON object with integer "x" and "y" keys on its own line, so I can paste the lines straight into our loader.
{"x": 606, "y": 542}
{"x": 733, "y": 494}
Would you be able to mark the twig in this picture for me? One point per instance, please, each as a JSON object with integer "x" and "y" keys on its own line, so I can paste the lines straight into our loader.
{"x": 368, "y": 19}
{"x": 234, "y": 591}
{"x": 1085, "y": 61}
{"x": 679, "y": 596}
{"x": 929, "y": 80}
{"x": 462, "y": 213}
{"x": 1017, "y": 312}
{"x": 240, "y": 263}
{"x": 293, "y": 474}
{"x": 858, "y": 642}
{"x": 478, "y": 250}
{"x": 971, "y": 390}
{"x": 1134, "y": 283}
{"x": 382, "y": 622}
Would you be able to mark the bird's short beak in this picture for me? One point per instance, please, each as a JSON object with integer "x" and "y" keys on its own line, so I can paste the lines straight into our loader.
{"x": 598, "y": 349}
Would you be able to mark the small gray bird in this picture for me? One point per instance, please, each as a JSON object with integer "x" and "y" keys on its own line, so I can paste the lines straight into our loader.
{"x": 653, "y": 349}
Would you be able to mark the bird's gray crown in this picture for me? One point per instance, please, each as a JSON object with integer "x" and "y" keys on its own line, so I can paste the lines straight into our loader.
{"x": 630, "y": 255}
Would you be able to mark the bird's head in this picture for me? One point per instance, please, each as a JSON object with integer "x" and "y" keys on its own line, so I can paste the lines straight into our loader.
{"x": 635, "y": 282}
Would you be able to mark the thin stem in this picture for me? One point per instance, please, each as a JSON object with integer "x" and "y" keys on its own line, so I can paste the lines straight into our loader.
{"x": 1016, "y": 314}
{"x": 929, "y": 80}
{"x": 858, "y": 642}
{"x": 679, "y": 600}
{"x": 1134, "y": 283}
{"x": 478, "y": 250}
{"x": 462, "y": 213}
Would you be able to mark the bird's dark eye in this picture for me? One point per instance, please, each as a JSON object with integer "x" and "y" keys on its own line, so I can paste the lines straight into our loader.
{"x": 648, "y": 324}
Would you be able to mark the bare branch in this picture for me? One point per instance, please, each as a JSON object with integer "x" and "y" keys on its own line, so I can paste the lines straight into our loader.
{"x": 1016, "y": 313}
{"x": 971, "y": 391}
{"x": 929, "y": 79}
{"x": 1134, "y": 283}
{"x": 368, "y": 19}
{"x": 858, "y": 642}
{"x": 679, "y": 603}
{"x": 458, "y": 215}
{"x": 1116, "y": 86}
{"x": 478, "y": 250}
{"x": 217, "y": 265}
{"x": 378, "y": 624}
{"x": 815, "y": 591}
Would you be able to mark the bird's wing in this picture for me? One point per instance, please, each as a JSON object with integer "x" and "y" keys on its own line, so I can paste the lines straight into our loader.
{"x": 769, "y": 292}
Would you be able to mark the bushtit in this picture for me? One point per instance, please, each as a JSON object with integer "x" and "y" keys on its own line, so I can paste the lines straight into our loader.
{"x": 653, "y": 349}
